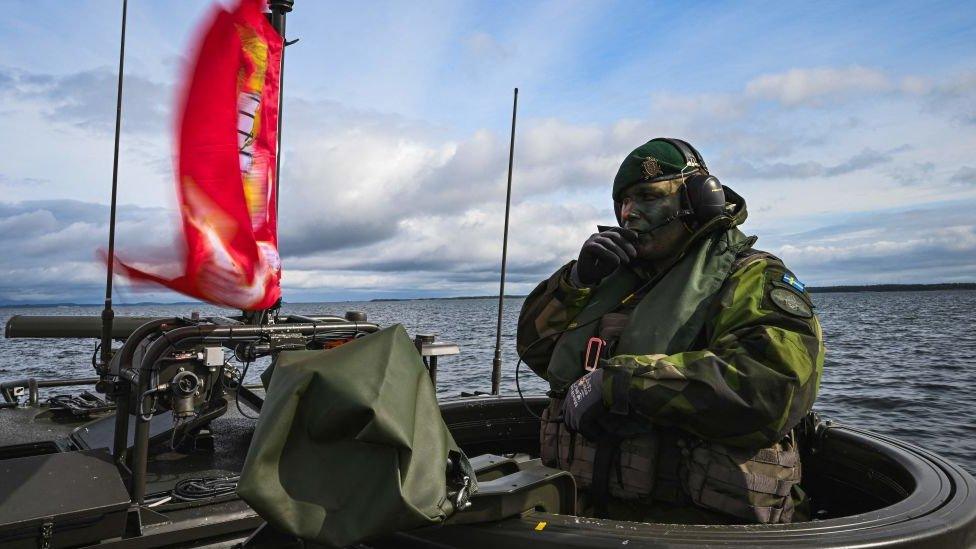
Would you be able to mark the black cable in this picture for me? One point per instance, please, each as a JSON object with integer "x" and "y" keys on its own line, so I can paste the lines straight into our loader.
{"x": 85, "y": 402}
{"x": 153, "y": 382}
{"x": 198, "y": 489}
{"x": 94, "y": 359}
{"x": 142, "y": 405}
{"x": 519, "y": 388}
{"x": 246, "y": 359}
{"x": 178, "y": 425}
{"x": 237, "y": 398}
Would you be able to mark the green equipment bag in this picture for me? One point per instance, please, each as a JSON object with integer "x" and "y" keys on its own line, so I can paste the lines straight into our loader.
{"x": 351, "y": 444}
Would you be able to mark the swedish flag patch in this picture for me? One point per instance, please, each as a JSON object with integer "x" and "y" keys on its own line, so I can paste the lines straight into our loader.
{"x": 792, "y": 281}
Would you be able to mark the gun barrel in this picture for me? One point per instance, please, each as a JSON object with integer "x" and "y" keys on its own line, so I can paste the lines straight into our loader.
{"x": 22, "y": 326}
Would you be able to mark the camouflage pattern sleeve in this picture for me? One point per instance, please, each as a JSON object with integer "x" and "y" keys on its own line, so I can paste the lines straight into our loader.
{"x": 757, "y": 376}
{"x": 547, "y": 311}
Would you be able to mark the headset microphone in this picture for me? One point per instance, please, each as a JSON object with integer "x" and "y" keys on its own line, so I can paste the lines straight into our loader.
{"x": 676, "y": 215}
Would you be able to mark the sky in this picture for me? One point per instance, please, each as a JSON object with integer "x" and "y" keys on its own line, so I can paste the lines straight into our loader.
{"x": 849, "y": 128}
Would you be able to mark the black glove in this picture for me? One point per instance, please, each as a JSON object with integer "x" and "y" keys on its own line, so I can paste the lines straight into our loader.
{"x": 603, "y": 252}
{"x": 583, "y": 406}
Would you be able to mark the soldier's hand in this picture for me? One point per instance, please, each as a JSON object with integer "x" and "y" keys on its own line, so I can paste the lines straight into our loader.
{"x": 583, "y": 406}
{"x": 603, "y": 252}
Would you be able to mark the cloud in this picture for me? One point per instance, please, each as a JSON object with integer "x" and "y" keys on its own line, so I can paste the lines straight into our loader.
{"x": 362, "y": 183}
{"x": 22, "y": 182}
{"x": 867, "y": 158}
{"x": 87, "y": 99}
{"x": 812, "y": 87}
{"x": 706, "y": 105}
{"x": 486, "y": 48}
{"x": 817, "y": 87}
{"x": 376, "y": 204}
{"x": 379, "y": 203}
{"x": 54, "y": 252}
{"x": 919, "y": 245}
{"x": 966, "y": 175}
{"x": 940, "y": 255}
{"x": 957, "y": 96}
{"x": 916, "y": 174}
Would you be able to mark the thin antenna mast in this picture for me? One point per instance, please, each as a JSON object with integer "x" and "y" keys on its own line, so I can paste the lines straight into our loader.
{"x": 108, "y": 315}
{"x": 279, "y": 9}
{"x": 496, "y": 364}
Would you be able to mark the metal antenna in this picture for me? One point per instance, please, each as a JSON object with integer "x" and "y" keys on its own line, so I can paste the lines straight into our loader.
{"x": 496, "y": 364}
{"x": 279, "y": 9}
{"x": 277, "y": 18}
{"x": 107, "y": 314}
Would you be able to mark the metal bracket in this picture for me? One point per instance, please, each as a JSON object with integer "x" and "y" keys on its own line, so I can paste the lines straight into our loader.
{"x": 138, "y": 518}
{"x": 429, "y": 349}
{"x": 532, "y": 487}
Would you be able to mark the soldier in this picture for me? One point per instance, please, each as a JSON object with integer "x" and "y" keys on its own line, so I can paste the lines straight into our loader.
{"x": 679, "y": 357}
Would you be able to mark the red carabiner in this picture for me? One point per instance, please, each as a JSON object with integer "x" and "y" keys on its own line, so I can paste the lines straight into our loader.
{"x": 594, "y": 350}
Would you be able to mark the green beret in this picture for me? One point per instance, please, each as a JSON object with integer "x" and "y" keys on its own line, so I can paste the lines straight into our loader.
{"x": 656, "y": 160}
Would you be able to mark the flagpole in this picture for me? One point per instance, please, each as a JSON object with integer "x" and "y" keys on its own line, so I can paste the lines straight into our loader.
{"x": 108, "y": 315}
{"x": 279, "y": 11}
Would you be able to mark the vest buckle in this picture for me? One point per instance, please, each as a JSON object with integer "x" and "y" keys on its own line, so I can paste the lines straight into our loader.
{"x": 594, "y": 351}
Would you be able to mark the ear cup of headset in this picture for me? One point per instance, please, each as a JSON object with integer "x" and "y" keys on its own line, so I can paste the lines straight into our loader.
{"x": 706, "y": 197}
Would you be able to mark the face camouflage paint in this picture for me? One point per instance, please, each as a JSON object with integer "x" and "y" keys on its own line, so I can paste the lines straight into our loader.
{"x": 651, "y": 210}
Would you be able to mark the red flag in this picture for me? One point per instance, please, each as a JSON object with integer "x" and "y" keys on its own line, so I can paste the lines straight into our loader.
{"x": 227, "y": 148}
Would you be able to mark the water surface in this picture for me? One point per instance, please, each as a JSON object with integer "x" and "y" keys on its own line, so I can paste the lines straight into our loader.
{"x": 901, "y": 363}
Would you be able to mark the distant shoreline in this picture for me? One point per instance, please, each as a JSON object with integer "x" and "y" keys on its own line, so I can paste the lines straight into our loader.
{"x": 811, "y": 289}
{"x": 893, "y": 288}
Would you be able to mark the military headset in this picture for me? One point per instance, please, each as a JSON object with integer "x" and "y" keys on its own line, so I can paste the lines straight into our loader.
{"x": 703, "y": 197}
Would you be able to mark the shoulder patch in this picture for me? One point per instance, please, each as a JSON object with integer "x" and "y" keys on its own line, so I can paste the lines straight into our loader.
{"x": 793, "y": 281}
{"x": 790, "y": 303}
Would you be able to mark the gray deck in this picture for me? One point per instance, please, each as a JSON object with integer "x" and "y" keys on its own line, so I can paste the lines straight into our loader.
{"x": 232, "y": 435}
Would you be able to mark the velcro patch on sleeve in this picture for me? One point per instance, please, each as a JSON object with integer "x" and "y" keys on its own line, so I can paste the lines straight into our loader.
{"x": 790, "y": 302}
{"x": 793, "y": 281}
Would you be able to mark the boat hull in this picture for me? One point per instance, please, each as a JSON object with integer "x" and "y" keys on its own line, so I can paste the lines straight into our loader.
{"x": 868, "y": 490}
{"x": 872, "y": 490}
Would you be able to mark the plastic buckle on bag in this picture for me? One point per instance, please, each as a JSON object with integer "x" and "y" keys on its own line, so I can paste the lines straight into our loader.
{"x": 594, "y": 350}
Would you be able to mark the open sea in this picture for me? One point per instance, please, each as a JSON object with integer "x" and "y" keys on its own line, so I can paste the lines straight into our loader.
{"x": 900, "y": 363}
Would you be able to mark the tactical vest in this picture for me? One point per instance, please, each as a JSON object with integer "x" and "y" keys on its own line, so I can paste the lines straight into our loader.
{"x": 669, "y": 465}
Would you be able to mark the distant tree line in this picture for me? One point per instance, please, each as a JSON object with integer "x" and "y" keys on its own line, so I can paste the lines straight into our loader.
{"x": 893, "y": 287}
{"x": 812, "y": 289}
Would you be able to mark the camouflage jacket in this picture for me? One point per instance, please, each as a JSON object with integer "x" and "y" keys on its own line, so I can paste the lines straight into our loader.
{"x": 751, "y": 375}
